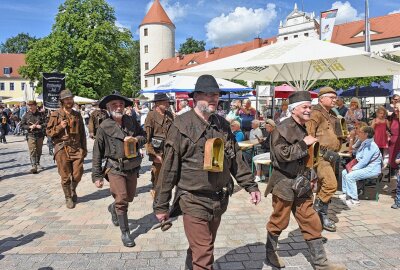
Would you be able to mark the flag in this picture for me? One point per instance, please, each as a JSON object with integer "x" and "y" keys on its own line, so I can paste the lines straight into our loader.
{"x": 327, "y": 24}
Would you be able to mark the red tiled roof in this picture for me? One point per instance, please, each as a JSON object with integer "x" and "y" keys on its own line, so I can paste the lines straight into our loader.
{"x": 157, "y": 14}
{"x": 385, "y": 27}
{"x": 13, "y": 60}
{"x": 182, "y": 62}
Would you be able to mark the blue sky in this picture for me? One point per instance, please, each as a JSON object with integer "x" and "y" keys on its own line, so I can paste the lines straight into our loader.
{"x": 218, "y": 22}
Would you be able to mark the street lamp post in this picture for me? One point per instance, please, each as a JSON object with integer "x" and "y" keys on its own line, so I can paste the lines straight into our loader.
{"x": 33, "y": 86}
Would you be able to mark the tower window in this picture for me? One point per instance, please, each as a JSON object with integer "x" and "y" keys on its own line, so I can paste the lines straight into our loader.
{"x": 158, "y": 80}
{"x": 306, "y": 34}
{"x": 146, "y": 84}
{"x": 146, "y": 32}
{"x": 296, "y": 36}
{"x": 285, "y": 38}
{"x": 146, "y": 48}
{"x": 146, "y": 66}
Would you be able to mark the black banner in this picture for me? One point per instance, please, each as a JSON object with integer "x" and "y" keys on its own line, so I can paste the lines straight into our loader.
{"x": 53, "y": 83}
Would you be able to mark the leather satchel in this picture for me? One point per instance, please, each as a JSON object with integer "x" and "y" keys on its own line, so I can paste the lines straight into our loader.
{"x": 301, "y": 185}
{"x": 349, "y": 166}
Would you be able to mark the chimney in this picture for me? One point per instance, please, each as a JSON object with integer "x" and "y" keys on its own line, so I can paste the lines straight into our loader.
{"x": 207, "y": 53}
{"x": 177, "y": 57}
{"x": 257, "y": 43}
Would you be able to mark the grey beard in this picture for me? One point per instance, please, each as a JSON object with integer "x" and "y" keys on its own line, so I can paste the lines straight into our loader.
{"x": 203, "y": 109}
{"x": 116, "y": 114}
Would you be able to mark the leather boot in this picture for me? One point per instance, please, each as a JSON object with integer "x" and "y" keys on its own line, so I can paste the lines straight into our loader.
{"x": 34, "y": 167}
{"x": 322, "y": 210}
{"x": 125, "y": 232}
{"x": 272, "y": 257}
{"x": 68, "y": 199}
{"x": 114, "y": 218}
{"x": 38, "y": 166}
{"x": 318, "y": 256}
{"x": 73, "y": 191}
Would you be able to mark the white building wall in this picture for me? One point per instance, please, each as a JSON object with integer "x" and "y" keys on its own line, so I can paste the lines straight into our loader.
{"x": 161, "y": 44}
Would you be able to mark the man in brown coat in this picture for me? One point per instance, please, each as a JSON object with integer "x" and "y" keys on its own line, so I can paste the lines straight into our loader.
{"x": 156, "y": 126}
{"x": 34, "y": 122}
{"x": 95, "y": 119}
{"x": 120, "y": 170}
{"x": 67, "y": 131}
{"x": 289, "y": 144}
{"x": 322, "y": 125}
{"x": 202, "y": 195}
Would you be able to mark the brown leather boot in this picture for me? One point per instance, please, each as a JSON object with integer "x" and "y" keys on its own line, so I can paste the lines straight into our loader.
{"x": 272, "y": 257}
{"x": 68, "y": 198}
{"x": 73, "y": 191}
{"x": 318, "y": 256}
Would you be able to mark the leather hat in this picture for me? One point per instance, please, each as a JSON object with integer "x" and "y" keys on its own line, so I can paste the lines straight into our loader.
{"x": 115, "y": 95}
{"x": 299, "y": 96}
{"x": 206, "y": 84}
{"x": 31, "y": 102}
{"x": 160, "y": 97}
{"x": 66, "y": 94}
{"x": 326, "y": 90}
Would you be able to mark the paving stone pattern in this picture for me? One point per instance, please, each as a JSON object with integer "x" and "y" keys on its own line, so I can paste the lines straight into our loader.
{"x": 37, "y": 231}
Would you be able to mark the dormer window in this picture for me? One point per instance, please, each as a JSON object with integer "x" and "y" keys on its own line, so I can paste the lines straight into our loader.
{"x": 192, "y": 63}
{"x": 7, "y": 70}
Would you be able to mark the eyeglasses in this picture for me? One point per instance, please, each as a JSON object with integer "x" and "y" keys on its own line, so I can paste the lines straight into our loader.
{"x": 331, "y": 97}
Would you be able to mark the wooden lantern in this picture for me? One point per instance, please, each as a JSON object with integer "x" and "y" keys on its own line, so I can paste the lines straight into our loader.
{"x": 131, "y": 147}
{"x": 73, "y": 126}
{"x": 214, "y": 155}
{"x": 341, "y": 128}
{"x": 313, "y": 153}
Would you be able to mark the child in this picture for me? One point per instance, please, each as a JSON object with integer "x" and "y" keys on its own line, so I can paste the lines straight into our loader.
{"x": 381, "y": 126}
{"x": 396, "y": 204}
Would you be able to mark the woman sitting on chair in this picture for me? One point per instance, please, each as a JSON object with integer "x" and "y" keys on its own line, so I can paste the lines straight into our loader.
{"x": 369, "y": 165}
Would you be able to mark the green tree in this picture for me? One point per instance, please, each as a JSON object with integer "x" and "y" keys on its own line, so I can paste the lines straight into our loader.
{"x": 21, "y": 43}
{"x": 85, "y": 44}
{"x": 192, "y": 46}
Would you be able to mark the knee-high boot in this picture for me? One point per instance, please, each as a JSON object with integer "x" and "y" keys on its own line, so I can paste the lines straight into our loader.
{"x": 318, "y": 256}
{"x": 272, "y": 256}
{"x": 125, "y": 232}
{"x": 322, "y": 210}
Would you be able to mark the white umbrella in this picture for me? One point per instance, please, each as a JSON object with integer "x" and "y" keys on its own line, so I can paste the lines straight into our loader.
{"x": 13, "y": 100}
{"x": 302, "y": 62}
{"x": 187, "y": 84}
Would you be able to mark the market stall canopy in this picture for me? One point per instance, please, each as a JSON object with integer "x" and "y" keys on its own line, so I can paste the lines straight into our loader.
{"x": 284, "y": 90}
{"x": 187, "y": 84}
{"x": 13, "y": 100}
{"x": 299, "y": 63}
{"x": 77, "y": 99}
{"x": 368, "y": 91}
{"x": 235, "y": 96}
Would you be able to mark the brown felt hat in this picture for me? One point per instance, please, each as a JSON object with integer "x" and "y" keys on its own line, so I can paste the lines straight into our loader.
{"x": 326, "y": 90}
{"x": 66, "y": 94}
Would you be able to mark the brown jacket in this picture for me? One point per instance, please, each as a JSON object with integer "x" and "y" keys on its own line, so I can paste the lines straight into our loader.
{"x": 156, "y": 126}
{"x": 109, "y": 144}
{"x": 62, "y": 136}
{"x": 288, "y": 156}
{"x": 322, "y": 126}
{"x": 183, "y": 165}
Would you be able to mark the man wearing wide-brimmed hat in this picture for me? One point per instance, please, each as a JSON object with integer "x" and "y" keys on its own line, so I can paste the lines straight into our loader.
{"x": 34, "y": 122}
{"x": 156, "y": 126}
{"x": 202, "y": 194}
{"x": 322, "y": 126}
{"x": 121, "y": 169}
{"x": 96, "y": 117}
{"x": 67, "y": 131}
{"x": 289, "y": 154}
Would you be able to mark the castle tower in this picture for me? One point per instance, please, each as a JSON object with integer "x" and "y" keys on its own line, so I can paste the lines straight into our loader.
{"x": 157, "y": 40}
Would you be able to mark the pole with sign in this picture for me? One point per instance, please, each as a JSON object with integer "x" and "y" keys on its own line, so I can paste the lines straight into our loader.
{"x": 327, "y": 23}
{"x": 53, "y": 83}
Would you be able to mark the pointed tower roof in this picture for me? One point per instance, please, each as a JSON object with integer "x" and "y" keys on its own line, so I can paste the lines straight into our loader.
{"x": 157, "y": 14}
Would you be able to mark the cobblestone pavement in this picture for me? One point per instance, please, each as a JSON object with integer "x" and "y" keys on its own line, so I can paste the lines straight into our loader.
{"x": 37, "y": 231}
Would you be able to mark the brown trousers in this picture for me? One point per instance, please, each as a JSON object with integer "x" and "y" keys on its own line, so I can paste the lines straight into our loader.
{"x": 155, "y": 173}
{"x": 70, "y": 168}
{"x": 35, "y": 148}
{"x": 305, "y": 215}
{"x": 201, "y": 236}
{"x": 327, "y": 183}
{"x": 123, "y": 189}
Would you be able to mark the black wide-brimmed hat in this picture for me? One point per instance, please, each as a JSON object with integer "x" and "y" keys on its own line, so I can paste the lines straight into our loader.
{"x": 115, "y": 95}
{"x": 206, "y": 84}
{"x": 160, "y": 97}
{"x": 299, "y": 96}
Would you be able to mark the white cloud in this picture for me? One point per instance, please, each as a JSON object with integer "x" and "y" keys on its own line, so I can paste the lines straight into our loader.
{"x": 346, "y": 13}
{"x": 120, "y": 25}
{"x": 395, "y": 11}
{"x": 174, "y": 10}
{"x": 240, "y": 25}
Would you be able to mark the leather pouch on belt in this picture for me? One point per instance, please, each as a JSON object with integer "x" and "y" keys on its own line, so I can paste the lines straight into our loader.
{"x": 330, "y": 156}
{"x": 132, "y": 163}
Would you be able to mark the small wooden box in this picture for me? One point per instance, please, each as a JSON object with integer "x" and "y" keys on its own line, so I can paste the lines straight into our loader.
{"x": 73, "y": 126}
{"x": 131, "y": 147}
{"x": 214, "y": 155}
{"x": 313, "y": 154}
